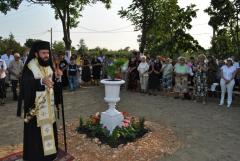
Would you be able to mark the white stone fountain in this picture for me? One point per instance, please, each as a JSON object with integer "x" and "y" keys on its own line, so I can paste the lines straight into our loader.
{"x": 112, "y": 117}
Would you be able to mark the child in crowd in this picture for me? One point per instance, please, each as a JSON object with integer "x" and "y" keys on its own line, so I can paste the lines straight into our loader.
{"x": 72, "y": 74}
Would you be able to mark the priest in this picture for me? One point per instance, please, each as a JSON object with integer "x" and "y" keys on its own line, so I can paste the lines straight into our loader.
{"x": 40, "y": 131}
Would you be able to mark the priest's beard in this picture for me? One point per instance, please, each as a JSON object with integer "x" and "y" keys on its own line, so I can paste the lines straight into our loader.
{"x": 44, "y": 63}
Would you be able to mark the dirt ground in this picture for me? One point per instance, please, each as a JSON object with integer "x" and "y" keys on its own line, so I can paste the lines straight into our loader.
{"x": 208, "y": 132}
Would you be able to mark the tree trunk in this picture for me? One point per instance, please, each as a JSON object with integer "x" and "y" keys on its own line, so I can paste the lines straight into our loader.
{"x": 237, "y": 29}
{"x": 234, "y": 37}
{"x": 66, "y": 36}
{"x": 68, "y": 41}
{"x": 67, "y": 44}
{"x": 63, "y": 13}
{"x": 65, "y": 19}
{"x": 143, "y": 38}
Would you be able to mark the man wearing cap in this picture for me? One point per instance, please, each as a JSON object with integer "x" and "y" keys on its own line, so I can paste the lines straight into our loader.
{"x": 40, "y": 130}
{"x": 15, "y": 70}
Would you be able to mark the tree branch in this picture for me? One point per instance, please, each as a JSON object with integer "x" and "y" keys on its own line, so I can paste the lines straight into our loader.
{"x": 59, "y": 12}
{"x": 39, "y": 1}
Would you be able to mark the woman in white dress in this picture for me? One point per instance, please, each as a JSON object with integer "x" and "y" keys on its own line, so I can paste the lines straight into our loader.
{"x": 143, "y": 68}
{"x": 227, "y": 82}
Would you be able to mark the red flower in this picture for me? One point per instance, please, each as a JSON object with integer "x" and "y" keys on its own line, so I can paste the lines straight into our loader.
{"x": 126, "y": 122}
{"x": 125, "y": 114}
{"x": 95, "y": 118}
{"x": 126, "y": 125}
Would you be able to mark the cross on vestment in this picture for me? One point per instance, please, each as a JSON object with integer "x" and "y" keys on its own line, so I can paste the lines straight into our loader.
{"x": 47, "y": 130}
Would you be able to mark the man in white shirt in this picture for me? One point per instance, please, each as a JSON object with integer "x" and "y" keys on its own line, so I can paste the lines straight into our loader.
{"x": 3, "y": 68}
{"x": 15, "y": 70}
{"x": 8, "y": 57}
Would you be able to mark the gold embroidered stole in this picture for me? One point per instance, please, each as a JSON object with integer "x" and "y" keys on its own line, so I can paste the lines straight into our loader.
{"x": 44, "y": 104}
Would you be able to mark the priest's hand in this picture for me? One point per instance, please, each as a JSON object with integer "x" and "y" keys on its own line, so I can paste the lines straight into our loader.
{"x": 47, "y": 81}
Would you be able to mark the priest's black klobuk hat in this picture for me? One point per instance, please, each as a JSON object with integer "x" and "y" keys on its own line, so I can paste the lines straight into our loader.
{"x": 38, "y": 45}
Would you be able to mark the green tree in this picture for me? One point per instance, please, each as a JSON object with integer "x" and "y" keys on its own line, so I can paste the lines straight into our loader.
{"x": 10, "y": 43}
{"x": 126, "y": 48}
{"x": 69, "y": 11}
{"x": 221, "y": 14}
{"x": 29, "y": 42}
{"x": 82, "y": 47}
{"x": 142, "y": 15}
{"x": 164, "y": 26}
{"x": 168, "y": 35}
{"x": 7, "y": 5}
{"x": 222, "y": 45}
{"x": 97, "y": 51}
{"x": 224, "y": 21}
{"x": 58, "y": 46}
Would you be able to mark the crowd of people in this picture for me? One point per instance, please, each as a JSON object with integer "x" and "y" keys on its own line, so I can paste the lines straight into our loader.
{"x": 72, "y": 71}
{"x": 11, "y": 66}
{"x": 194, "y": 78}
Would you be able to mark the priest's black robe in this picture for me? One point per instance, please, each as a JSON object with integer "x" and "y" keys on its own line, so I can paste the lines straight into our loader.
{"x": 32, "y": 141}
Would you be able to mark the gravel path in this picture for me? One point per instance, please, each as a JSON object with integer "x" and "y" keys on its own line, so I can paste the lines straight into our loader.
{"x": 208, "y": 132}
